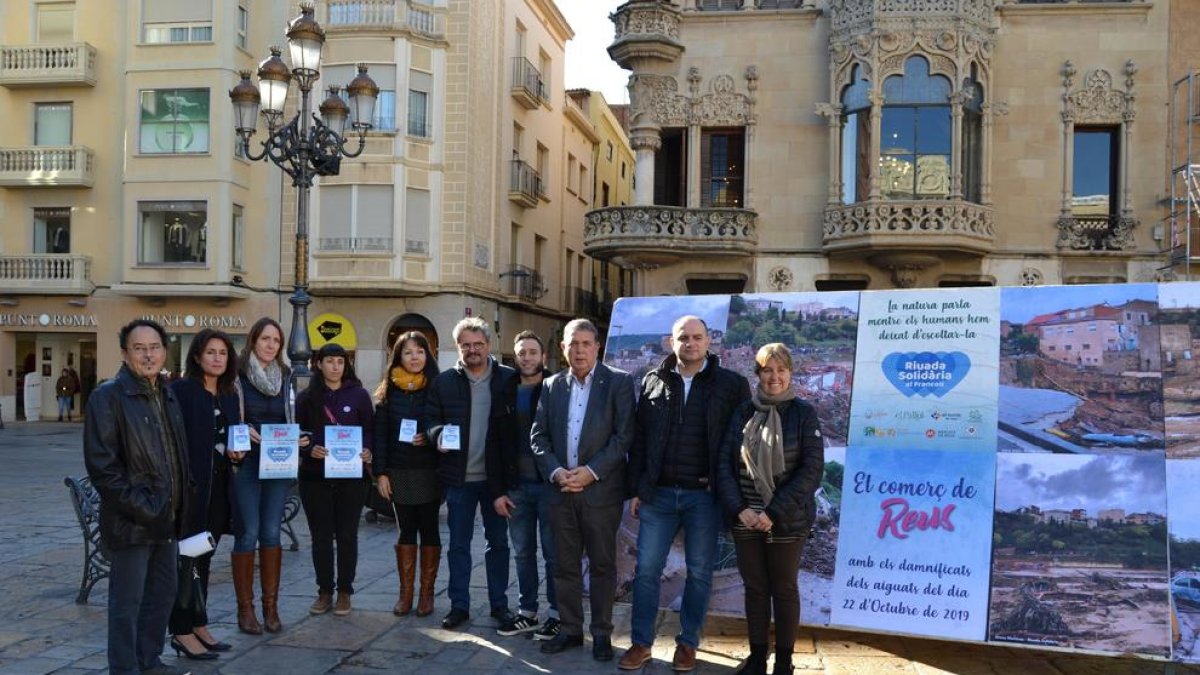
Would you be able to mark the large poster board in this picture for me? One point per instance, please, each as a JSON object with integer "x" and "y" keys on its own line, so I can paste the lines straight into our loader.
{"x": 1012, "y": 465}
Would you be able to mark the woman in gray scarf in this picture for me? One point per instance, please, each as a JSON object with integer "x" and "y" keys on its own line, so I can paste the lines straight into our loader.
{"x": 769, "y": 468}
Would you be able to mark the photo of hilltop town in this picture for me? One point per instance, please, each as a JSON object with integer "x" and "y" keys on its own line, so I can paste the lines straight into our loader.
{"x": 1080, "y": 552}
{"x": 1080, "y": 370}
{"x": 1179, "y": 322}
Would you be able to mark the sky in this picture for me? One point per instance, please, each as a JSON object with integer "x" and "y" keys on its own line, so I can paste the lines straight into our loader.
{"x": 1019, "y": 305}
{"x": 1135, "y": 483}
{"x": 588, "y": 65}
{"x": 656, "y": 314}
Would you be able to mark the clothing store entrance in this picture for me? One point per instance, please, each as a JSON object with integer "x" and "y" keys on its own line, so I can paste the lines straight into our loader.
{"x": 47, "y": 355}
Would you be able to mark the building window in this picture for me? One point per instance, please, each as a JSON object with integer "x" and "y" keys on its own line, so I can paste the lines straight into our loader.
{"x": 518, "y": 139}
{"x": 722, "y": 152}
{"x": 1094, "y": 185}
{"x": 52, "y": 230}
{"x": 670, "y": 176}
{"x": 52, "y": 124}
{"x": 237, "y": 232}
{"x": 416, "y": 221}
{"x": 176, "y": 21}
{"x": 355, "y": 218}
{"x": 972, "y": 140}
{"x": 543, "y": 166}
{"x": 622, "y": 169}
{"x": 856, "y": 139}
{"x": 610, "y": 151}
{"x": 419, "y": 86}
{"x": 173, "y": 121}
{"x": 56, "y": 22}
{"x": 603, "y": 194}
{"x": 243, "y": 27}
{"x": 172, "y": 232}
{"x": 914, "y": 161}
{"x": 385, "y": 78}
{"x": 571, "y": 174}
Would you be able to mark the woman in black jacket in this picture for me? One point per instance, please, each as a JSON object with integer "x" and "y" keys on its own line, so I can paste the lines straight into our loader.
{"x": 208, "y": 399}
{"x": 768, "y": 472}
{"x": 406, "y": 470}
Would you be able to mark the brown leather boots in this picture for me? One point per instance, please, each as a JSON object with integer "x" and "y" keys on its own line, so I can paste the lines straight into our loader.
{"x": 430, "y": 557}
{"x": 406, "y": 567}
{"x": 243, "y": 587}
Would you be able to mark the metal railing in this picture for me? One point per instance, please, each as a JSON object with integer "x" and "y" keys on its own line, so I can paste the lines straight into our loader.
{"x": 581, "y": 302}
{"x": 525, "y": 184}
{"x": 524, "y": 281}
{"x": 528, "y": 80}
{"x": 354, "y": 244}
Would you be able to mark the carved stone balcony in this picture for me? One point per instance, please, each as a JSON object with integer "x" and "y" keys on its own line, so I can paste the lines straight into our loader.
{"x": 46, "y": 273}
{"x": 65, "y": 64}
{"x": 859, "y": 16}
{"x": 390, "y": 16}
{"x": 657, "y": 235}
{"x": 918, "y": 225}
{"x": 645, "y": 30}
{"x": 47, "y": 166}
{"x": 1095, "y": 233}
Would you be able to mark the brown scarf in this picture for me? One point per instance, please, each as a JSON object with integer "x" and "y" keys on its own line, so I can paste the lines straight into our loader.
{"x": 407, "y": 381}
{"x": 762, "y": 441}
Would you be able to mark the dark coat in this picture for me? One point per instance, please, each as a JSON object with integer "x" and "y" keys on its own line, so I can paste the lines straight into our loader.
{"x": 196, "y": 406}
{"x": 260, "y": 409}
{"x": 125, "y": 455}
{"x": 502, "y": 470}
{"x": 449, "y": 402}
{"x": 350, "y": 405}
{"x": 793, "y": 508}
{"x": 661, "y": 400}
{"x": 605, "y": 437}
{"x": 389, "y": 452}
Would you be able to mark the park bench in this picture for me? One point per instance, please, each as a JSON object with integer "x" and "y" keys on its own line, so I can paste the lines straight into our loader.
{"x": 96, "y": 566}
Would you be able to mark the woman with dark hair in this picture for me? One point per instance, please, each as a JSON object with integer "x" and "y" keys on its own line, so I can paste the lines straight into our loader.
{"x": 406, "y": 467}
{"x": 263, "y": 382}
{"x": 768, "y": 471}
{"x": 208, "y": 399}
{"x": 334, "y": 397}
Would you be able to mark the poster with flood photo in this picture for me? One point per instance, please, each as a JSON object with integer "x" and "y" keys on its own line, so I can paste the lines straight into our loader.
{"x": 1183, "y": 518}
{"x": 820, "y": 330}
{"x": 1179, "y": 329}
{"x": 1079, "y": 370}
{"x": 1080, "y": 552}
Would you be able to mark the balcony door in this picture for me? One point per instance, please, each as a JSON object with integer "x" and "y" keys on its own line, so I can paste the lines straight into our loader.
{"x": 52, "y": 230}
{"x": 55, "y": 23}
{"x": 52, "y": 124}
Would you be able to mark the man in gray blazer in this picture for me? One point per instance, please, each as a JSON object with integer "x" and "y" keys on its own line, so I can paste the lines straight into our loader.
{"x": 581, "y": 433}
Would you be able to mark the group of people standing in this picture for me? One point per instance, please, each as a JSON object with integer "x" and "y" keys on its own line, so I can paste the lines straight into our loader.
{"x": 540, "y": 459}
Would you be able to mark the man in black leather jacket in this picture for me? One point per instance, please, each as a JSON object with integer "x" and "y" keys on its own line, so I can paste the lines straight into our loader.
{"x": 682, "y": 414}
{"x": 135, "y": 452}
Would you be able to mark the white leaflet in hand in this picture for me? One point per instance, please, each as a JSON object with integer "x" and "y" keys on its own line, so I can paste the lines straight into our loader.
{"x": 239, "y": 438}
{"x": 450, "y": 437}
{"x": 345, "y": 452}
{"x": 408, "y": 430}
{"x": 280, "y": 456}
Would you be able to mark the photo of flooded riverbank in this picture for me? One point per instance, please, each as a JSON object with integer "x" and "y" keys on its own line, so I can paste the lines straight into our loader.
{"x": 1081, "y": 370}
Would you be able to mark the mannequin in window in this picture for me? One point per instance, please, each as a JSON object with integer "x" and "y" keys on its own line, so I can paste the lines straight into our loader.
{"x": 60, "y": 240}
{"x": 199, "y": 242}
{"x": 177, "y": 241}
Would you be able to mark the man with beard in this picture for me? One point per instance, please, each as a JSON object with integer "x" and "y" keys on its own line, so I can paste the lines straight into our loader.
{"x": 521, "y": 494}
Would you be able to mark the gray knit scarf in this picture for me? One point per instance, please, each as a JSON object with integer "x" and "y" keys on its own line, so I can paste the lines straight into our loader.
{"x": 762, "y": 441}
{"x": 267, "y": 380}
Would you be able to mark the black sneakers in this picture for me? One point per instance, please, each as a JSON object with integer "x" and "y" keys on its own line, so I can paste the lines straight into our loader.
{"x": 548, "y": 630}
{"x": 518, "y": 625}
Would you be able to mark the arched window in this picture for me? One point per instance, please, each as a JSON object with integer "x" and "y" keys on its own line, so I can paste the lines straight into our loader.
{"x": 972, "y": 138}
{"x": 856, "y": 138}
{"x": 914, "y": 161}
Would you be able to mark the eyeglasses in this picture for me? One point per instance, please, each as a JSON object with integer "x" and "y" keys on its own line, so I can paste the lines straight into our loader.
{"x": 142, "y": 350}
{"x": 472, "y": 346}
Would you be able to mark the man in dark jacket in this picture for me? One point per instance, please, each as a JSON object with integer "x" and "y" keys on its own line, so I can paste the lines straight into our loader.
{"x": 458, "y": 414}
{"x": 134, "y": 449}
{"x": 520, "y": 494}
{"x": 682, "y": 414}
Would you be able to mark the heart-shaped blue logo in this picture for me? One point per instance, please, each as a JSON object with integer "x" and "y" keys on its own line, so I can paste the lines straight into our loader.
{"x": 342, "y": 454}
{"x": 279, "y": 453}
{"x": 925, "y": 373}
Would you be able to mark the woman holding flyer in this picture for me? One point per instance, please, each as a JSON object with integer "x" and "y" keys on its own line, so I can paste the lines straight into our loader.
{"x": 334, "y": 409}
{"x": 406, "y": 467}
{"x": 263, "y": 382}
{"x": 768, "y": 471}
{"x": 207, "y": 396}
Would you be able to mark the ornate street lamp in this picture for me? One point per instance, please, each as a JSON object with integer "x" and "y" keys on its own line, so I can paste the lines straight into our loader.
{"x": 304, "y": 148}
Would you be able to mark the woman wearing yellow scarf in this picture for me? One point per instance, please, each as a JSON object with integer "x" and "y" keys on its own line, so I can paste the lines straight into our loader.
{"x": 406, "y": 467}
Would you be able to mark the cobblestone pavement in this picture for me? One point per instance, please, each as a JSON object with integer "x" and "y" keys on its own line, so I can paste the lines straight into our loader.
{"x": 42, "y": 630}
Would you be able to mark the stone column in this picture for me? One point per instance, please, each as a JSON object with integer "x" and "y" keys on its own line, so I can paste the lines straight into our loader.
{"x": 876, "y": 141}
{"x": 646, "y": 141}
{"x": 832, "y": 112}
{"x": 693, "y": 168}
{"x": 957, "y": 99}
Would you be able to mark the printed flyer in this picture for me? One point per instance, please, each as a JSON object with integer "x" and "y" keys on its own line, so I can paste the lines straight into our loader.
{"x": 915, "y": 542}
{"x": 345, "y": 452}
{"x": 926, "y": 371}
{"x": 280, "y": 456}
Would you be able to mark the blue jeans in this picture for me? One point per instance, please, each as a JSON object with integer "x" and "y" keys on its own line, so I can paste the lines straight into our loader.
{"x": 460, "y": 517}
{"x": 697, "y": 514}
{"x": 141, "y": 592}
{"x": 529, "y": 522}
{"x": 258, "y": 509}
{"x": 64, "y": 406}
